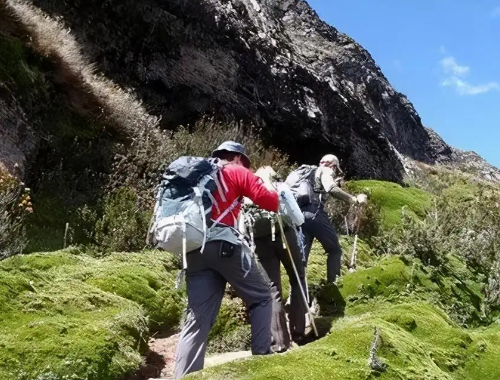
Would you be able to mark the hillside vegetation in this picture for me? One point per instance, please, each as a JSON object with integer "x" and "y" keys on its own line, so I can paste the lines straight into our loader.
{"x": 419, "y": 305}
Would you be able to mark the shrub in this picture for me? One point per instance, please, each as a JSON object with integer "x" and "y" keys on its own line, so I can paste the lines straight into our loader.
{"x": 15, "y": 205}
{"x": 148, "y": 155}
{"x": 123, "y": 224}
{"x": 437, "y": 178}
{"x": 464, "y": 222}
{"x": 363, "y": 220}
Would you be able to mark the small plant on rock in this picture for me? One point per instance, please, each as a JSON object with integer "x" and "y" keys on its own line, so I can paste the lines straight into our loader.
{"x": 15, "y": 205}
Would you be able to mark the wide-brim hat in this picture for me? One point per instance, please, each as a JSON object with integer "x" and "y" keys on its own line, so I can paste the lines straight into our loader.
{"x": 232, "y": 146}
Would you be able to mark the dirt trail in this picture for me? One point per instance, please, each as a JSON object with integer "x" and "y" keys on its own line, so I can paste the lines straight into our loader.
{"x": 159, "y": 362}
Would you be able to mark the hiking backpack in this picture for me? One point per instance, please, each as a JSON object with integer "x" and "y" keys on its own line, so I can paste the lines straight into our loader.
{"x": 184, "y": 201}
{"x": 260, "y": 222}
{"x": 302, "y": 184}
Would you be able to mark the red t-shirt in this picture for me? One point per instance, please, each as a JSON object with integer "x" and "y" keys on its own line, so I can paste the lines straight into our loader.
{"x": 241, "y": 182}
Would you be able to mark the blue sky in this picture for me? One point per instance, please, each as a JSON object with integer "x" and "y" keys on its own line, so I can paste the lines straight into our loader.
{"x": 443, "y": 54}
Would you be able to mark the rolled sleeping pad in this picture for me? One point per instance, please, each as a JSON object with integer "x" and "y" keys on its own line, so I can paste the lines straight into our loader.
{"x": 288, "y": 205}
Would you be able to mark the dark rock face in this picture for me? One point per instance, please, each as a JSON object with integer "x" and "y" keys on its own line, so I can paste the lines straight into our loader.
{"x": 17, "y": 138}
{"x": 466, "y": 161}
{"x": 310, "y": 89}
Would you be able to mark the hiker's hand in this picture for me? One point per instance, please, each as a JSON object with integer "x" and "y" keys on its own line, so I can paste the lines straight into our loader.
{"x": 361, "y": 198}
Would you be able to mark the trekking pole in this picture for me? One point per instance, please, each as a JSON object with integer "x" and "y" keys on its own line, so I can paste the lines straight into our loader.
{"x": 352, "y": 266}
{"x": 300, "y": 238}
{"x": 282, "y": 230}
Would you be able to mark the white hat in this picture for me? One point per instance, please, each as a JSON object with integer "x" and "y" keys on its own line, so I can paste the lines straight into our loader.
{"x": 329, "y": 159}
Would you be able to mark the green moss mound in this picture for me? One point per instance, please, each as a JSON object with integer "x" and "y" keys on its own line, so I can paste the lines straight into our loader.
{"x": 413, "y": 307}
{"x": 483, "y": 354}
{"x": 71, "y": 316}
{"x": 392, "y": 198}
{"x": 416, "y": 341}
{"x": 68, "y": 314}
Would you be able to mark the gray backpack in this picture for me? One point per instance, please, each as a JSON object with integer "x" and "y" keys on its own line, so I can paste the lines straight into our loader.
{"x": 302, "y": 184}
{"x": 181, "y": 218}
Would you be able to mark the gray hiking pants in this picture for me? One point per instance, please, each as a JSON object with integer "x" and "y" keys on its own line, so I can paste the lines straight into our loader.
{"x": 317, "y": 225}
{"x": 206, "y": 277}
{"x": 270, "y": 254}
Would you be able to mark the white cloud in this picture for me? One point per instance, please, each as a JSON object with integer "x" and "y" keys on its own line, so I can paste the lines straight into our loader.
{"x": 455, "y": 75}
{"x": 450, "y": 66}
{"x": 495, "y": 12}
{"x": 465, "y": 88}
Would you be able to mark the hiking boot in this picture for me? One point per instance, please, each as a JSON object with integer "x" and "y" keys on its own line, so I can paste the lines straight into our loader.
{"x": 299, "y": 339}
{"x": 276, "y": 349}
{"x": 330, "y": 299}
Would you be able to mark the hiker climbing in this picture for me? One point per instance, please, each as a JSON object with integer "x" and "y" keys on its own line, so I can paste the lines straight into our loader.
{"x": 217, "y": 252}
{"x": 270, "y": 247}
{"x": 311, "y": 185}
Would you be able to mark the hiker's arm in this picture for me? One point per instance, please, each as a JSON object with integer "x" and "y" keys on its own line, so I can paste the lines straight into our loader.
{"x": 338, "y": 193}
{"x": 330, "y": 185}
{"x": 252, "y": 187}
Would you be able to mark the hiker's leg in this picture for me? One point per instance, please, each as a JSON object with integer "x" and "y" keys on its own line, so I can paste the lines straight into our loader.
{"x": 205, "y": 289}
{"x": 255, "y": 290}
{"x": 265, "y": 249}
{"x": 327, "y": 236}
{"x": 298, "y": 306}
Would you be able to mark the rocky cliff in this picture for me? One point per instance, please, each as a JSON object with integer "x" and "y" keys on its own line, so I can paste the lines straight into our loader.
{"x": 308, "y": 88}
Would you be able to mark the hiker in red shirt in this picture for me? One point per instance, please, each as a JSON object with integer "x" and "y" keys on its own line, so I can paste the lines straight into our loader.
{"x": 226, "y": 258}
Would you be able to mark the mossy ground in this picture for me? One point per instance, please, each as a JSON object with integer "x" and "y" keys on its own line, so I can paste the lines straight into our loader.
{"x": 66, "y": 315}
{"x": 392, "y": 199}
{"x": 418, "y": 340}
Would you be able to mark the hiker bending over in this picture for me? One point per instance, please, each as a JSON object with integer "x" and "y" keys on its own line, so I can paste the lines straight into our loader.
{"x": 270, "y": 249}
{"x": 311, "y": 186}
{"x": 226, "y": 259}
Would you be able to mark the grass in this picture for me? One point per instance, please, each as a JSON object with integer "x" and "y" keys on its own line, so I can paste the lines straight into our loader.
{"x": 70, "y": 316}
